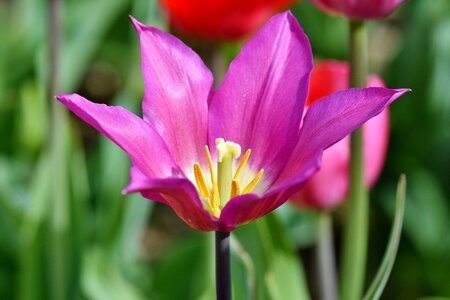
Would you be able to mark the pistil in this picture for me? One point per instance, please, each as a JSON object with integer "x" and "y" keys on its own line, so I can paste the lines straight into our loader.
{"x": 226, "y": 152}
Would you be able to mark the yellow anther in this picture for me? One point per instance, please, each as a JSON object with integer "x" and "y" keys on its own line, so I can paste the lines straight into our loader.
{"x": 225, "y": 186}
{"x": 216, "y": 212}
{"x": 242, "y": 164}
{"x": 210, "y": 163}
{"x": 249, "y": 188}
{"x": 201, "y": 182}
{"x": 235, "y": 189}
{"x": 214, "y": 199}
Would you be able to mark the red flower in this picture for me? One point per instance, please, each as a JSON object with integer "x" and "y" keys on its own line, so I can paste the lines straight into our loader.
{"x": 359, "y": 10}
{"x": 329, "y": 186}
{"x": 221, "y": 19}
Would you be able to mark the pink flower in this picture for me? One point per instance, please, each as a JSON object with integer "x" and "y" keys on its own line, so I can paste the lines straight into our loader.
{"x": 188, "y": 127}
{"x": 359, "y": 9}
{"x": 329, "y": 186}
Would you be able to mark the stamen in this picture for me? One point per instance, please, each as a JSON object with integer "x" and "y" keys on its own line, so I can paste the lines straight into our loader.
{"x": 210, "y": 163}
{"x": 214, "y": 199}
{"x": 249, "y": 188}
{"x": 216, "y": 212}
{"x": 225, "y": 186}
{"x": 201, "y": 182}
{"x": 242, "y": 164}
{"x": 235, "y": 189}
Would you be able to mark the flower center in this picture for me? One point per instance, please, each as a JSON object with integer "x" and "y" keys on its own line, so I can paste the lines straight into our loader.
{"x": 226, "y": 185}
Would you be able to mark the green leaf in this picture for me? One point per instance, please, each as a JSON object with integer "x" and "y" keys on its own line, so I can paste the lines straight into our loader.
{"x": 86, "y": 24}
{"x": 278, "y": 271}
{"x": 32, "y": 120}
{"x": 180, "y": 274}
{"x": 30, "y": 257}
{"x": 103, "y": 279}
{"x": 380, "y": 280}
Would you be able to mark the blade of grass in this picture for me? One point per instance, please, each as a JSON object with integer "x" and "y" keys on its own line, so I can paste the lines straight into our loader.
{"x": 380, "y": 280}
{"x": 30, "y": 259}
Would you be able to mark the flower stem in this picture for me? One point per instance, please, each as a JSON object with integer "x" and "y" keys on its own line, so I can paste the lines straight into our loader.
{"x": 356, "y": 230}
{"x": 326, "y": 264}
{"x": 223, "y": 271}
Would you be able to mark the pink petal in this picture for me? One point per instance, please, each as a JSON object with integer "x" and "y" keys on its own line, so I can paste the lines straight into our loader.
{"x": 144, "y": 146}
{"x": 138, "y": 183}
{"x": 180, "y": 195}
{"x": 260, "y": 102}
{"x": 246, "y": 208}
{"x": 331, "y": 119}
{"x": 177, "y": 88}
{"x": 329, "y": 186}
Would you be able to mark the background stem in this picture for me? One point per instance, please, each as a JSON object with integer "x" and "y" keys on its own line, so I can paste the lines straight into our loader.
{"x": 326, "y": 264}
{"x": 356, "y": 229}
{"x": 223, "y": 272}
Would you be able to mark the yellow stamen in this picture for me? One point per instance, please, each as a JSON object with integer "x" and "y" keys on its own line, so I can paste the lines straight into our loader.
{"x": 235, "y": 189}
{"x": 225, "y": 186}
{"x": 249, "y": 188}
{"x": 214, "y": 199}
{"x": 216, "y": 212}
{"x": 201, "y": 182}
{"x": 210, "y": 163}
{"x": 242, "y": 164}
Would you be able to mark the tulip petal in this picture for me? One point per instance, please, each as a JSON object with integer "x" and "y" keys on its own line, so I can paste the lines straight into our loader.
{"x": 177, "y": 88}
{"x": 137, "y": 138}
{"x": 329, "y": 186}
{"x": 325, "y": 122}
{"x": 331, "y": 119}
{"x": 138, "y": 183}
{"x": 180, "y": 195}
{"x": 259, "y": 104}
{"x": 249, "y": 207}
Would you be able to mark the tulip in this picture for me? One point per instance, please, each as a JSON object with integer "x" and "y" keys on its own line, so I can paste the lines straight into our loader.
{"x": 188, "y": 127}
{"x": 221, "y": 19}
{"x": 359, "y": 9}
{"x": 329, "y": 186}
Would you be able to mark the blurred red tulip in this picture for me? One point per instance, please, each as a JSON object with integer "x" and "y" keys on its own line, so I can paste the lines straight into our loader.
{"x": 329, "y": 186}
{"x": 221, "y": 19}
{"x": 359, "y": 10}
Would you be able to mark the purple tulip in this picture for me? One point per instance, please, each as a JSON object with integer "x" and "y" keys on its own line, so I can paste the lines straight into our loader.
{"x": 359, "y": 9}
{"x": 188, "y": 127}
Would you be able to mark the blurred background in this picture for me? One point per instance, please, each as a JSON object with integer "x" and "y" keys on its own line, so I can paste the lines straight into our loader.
{"x": 66, "y": 231}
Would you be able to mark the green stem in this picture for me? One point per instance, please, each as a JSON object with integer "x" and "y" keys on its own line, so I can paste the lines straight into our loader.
{"x": 356, "y": 230}
{"x": 60, "y": 251}
{"x": 326, "y": 264}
